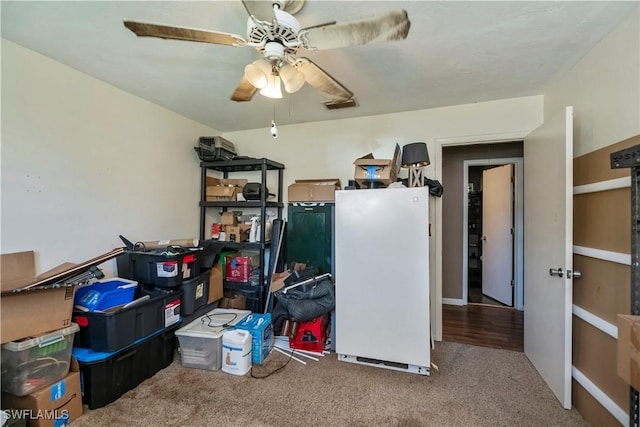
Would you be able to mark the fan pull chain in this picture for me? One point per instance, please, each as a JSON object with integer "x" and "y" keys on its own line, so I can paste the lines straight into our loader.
{"x": 274, "y": 128}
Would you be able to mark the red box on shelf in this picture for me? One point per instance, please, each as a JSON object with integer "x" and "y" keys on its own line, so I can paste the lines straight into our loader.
{"x": 311, "y": 335}
{"x": 238, "y": 269}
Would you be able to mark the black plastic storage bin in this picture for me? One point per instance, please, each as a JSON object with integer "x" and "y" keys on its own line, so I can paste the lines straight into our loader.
{"x": 104, "y": 377}
{"x": 158, "y": 268}
{"x": 194, "y": 293}
{"x": 108, "y": 332}
{"x": 210, "y": 252}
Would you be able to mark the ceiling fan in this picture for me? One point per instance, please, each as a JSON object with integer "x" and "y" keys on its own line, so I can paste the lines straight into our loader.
{"x": 277, "y": 35}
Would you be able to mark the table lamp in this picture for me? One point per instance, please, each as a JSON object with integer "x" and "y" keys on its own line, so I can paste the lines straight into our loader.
{"x": 414, "y": 157}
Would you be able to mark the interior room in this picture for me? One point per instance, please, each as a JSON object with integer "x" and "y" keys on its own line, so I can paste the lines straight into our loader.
{"x": 285, "y": 202}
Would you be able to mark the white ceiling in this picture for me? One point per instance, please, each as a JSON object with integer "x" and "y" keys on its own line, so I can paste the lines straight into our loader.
{"x": 455, "y": 53}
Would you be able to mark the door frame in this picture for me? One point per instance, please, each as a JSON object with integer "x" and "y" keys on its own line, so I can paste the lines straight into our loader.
{"x": 518, "y": 250}
{"x": 436, "y": 278}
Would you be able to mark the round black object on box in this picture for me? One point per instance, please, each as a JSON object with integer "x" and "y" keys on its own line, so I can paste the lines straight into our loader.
{"x": 415, "y": 154}
{"x": 252, "y": 190}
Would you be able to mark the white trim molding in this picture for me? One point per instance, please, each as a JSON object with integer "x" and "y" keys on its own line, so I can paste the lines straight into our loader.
{"x": 436, "y": 161}
{"x": 453, "y": 301}
{"x": 617, "y": 257}
{"x": 598, "y": 322}
{"x": 612, "y": 184}
{"x": 493, "y": 138}
{"x": 617, "y": 412}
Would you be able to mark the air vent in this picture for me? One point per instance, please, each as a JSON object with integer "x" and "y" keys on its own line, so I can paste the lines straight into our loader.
{"x": 337, "y": 104}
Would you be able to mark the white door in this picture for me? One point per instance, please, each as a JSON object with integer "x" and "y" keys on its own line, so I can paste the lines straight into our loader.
{"x": 497, "y": 238}
{"x": 548, "y": 240}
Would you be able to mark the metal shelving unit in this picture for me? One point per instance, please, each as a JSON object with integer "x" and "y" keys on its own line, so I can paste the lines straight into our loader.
{"x": 226, "y": 167}
{"x": 630, "y": 158}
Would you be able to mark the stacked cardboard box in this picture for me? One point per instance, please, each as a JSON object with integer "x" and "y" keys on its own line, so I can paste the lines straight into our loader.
{"x": 55, "y": 405}
{"x": 223, "y": 190}
{"x": 42, "y": 307}
{"x": 313, "y": 190}
{"x": 371, "y": 170}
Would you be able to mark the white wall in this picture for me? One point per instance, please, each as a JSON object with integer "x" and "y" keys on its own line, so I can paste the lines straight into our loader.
{"x": 604, "y": 90}
{"x": 83, "y": 162}
{"x": 327, "y": 150}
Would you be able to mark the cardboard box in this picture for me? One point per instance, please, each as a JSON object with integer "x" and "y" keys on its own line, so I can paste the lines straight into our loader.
{"x": 59, "y": 404}
{"x": 313, "y": 190}
{"x": 212, "y": 181}
{"x": 234, "y": 182}
{"x": 216, "y": 290}
{"x": 262, "y": 338}
{"x": 238, "y": 233}
{"x": 42, "y": 303}
{"x": 33, "y": 311}
{"x": 384, "y": 171}
{"x": 220, "y": 193}
{"x": 628, "y": 365}
{"x": 233, "y": 299}
{"x": 229, "y": 218}
{"x": 277, "y": 280}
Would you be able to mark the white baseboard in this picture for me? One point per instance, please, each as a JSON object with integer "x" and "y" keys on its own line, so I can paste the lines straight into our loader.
{"x": 452, "y": 301}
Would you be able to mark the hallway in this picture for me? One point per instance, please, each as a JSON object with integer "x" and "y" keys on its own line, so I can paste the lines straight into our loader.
{"x": 484, "y": 325}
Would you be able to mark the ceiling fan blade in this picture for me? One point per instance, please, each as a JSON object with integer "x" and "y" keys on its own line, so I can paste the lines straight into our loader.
{"x": 260, "y": 9}
{"x": 244, "y": 91}
{"x": 321, "y": 80}
{"x": 145, "y": 29}
{"x": 389, "y": 26}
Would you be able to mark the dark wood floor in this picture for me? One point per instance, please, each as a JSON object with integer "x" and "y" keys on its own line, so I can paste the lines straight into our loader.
{"x": 483, "y": 325}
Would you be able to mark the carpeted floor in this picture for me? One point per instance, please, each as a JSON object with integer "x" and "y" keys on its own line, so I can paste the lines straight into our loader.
{"x": 475, "y": 386}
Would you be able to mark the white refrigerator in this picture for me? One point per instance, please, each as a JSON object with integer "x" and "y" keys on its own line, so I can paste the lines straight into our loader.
{"x": 382, "y": 278}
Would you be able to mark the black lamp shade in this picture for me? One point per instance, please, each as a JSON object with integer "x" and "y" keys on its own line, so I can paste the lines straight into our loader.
{"x": 415, "y": 154}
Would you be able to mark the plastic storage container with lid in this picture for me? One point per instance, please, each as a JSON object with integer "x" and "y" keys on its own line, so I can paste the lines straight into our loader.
{"x": 31, "y": 364}
{"x": 112, "y": 331}
{"x": 161, "y": 267}
{"x": 108, "y": 375}
{"x": 201, "y": 340}
{"x": 195, "y": 292}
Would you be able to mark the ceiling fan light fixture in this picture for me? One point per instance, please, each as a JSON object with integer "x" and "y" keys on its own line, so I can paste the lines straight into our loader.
{"x": 272, "y": 89}
{"x": 293, "y": 79}
{"x": 274, "y": 52}
{"x": 258, "y": 73}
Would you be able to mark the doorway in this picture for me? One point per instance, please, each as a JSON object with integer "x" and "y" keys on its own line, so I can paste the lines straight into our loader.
{"x": 493, "y": 225}
{"x": 460, "y": 165}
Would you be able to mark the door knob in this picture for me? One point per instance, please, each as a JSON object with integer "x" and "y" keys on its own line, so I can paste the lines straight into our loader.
{"x": 556, "y": 272}
{"x": 574, "y": 274}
